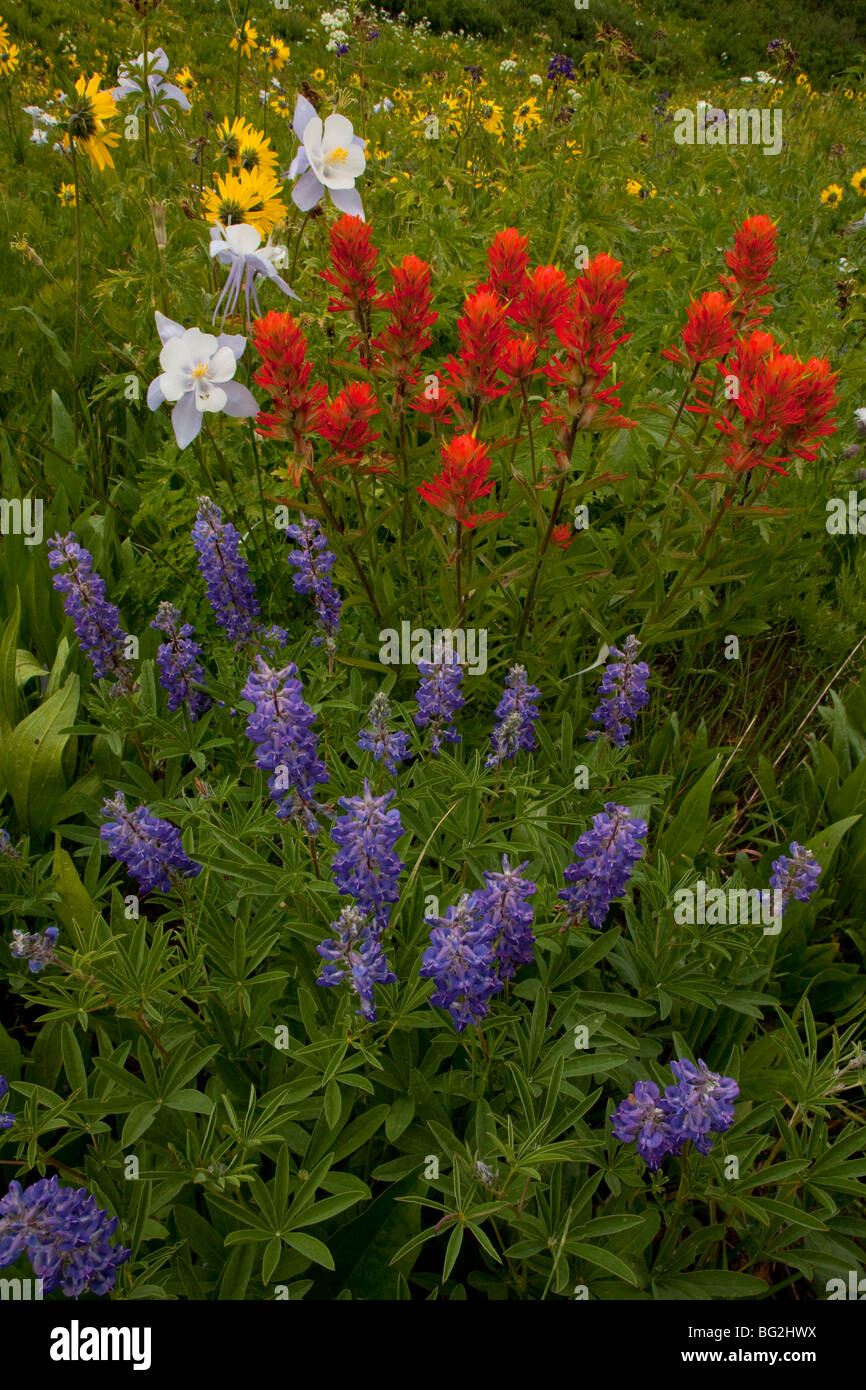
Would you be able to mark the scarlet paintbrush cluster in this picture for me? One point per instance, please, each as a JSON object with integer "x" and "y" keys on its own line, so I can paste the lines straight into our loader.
{"x": 776, "y": 406}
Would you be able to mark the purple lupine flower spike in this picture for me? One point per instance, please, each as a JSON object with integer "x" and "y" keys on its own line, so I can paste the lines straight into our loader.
{"x": 795, "y": 877}
{"x": 180, "y": 669}
{"x": 7, "y": 1119}
{"x": 516, "y": 713}
{"x": 37, "y": 948}
{"x": 603, "y": 865}
{"x": 641, "y": 1117}
{"x": 366, "y": 867}
{"x": 67, "y": 1237}
{"x": 281, "y": 728}
{"x": 356, "y": 950}
{"x": 97, "y": 622}
{"x": 439, "y": 698}
{"x": 560, "y": 67}
{"x": 150, "y": 848}
{"x": 390, "y": 747}
{"x": 461, "y": 959}
{"x": 225, "y": 572}
{"x": 701, "y": 1103}
{"x": 503, "y": 906}
{"x": 623, "y": 691}
{"x": 7, "y": 849}
{"x": 313, "y": 562}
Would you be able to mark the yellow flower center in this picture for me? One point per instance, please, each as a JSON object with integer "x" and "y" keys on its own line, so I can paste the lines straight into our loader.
{"x": 200, "y": 370}
{"x": 338, "y": 155}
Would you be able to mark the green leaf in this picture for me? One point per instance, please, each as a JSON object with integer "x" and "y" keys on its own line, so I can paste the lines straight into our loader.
{"x": 34, "y": 752}
{"x": 309, "y": 1247}
{"x": 685, "y": 835}
{"x": 73, "y": 1061}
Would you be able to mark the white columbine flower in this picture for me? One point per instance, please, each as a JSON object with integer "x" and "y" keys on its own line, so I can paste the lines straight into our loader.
{"x": 240, "y": 248}
{"x": 331, "y": 156}
{"x": 131, "y": 83}
{"x": 197, "y": 371}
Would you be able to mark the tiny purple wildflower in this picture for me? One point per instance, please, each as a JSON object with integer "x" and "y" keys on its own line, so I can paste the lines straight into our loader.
{"x": 439, "y": 699}
{"x": 65, "y": 1234}
{"x": 356, "y": 950}
{"x": 795, "y": 877}
{"x": 97, "y": 622}
{"x": 180, "y": 669}
{"x": 281, "y": 728}
{"x": 150, "y": 848}
{"x": 516, "y": 713}
{"x": 605, "y": 855}
{"x": 623, "y": 691}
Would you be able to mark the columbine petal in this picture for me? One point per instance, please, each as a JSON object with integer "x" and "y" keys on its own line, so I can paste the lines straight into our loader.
{"x": 299, "y": 164}
{"x": 222, "y": 365}
{"x": 186, "y": 420}
{"x": 155, "y": 393}
{"x": 243, "y": 239}
{"x": 167, "y": 328}
{"x": 239, "y": 400}
{"x": 347, "y": 200}
{"x": 307, "y": 191}
{"x": 236, "y": 341}
{"x": 338, "y": 131}
{"x": 305, "y": 112}
{"x": 209, "y": 397}
{"x": 174, "y": 384}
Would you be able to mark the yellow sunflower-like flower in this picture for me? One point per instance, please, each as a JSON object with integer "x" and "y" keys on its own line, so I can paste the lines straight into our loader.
{"x": 277, "y": 53}
{"x": 858, "y": 182}
{"x": 245, "y": 39}
{"x": 4, "y": 33}
{"x": 802, "y": 80}
{"x": 528, "y": 115}
{"x": 66, "y": 194}
{"x": 248, "y": 195}
{"x": 87, "y": 111}
{"x": 636, "y": 189}
{"x": 244, "y": 146}
{"x": 186, "y": 81}
{"x": 10, "y": 57}
{"x": 318, "y": 74}
{"x": 490, "y": 116}
{"x": 282, "y": 105}
{"x": 831, "y": 196}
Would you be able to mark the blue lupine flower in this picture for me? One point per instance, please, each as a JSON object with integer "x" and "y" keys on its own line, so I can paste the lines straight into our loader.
{"x": 623, "y": 691}
{"x": 150, "y": 848}
{"x": 240, "y": 247}
{"x": 700, "y": 1104}
{"x": 517, "y": 714}
{"x": 180, "y": 669}
{"x": 560, "y": 67}
{"x": 97, "y": 622}
{"x": 386, "y": 746}
{"x": 461, "y": 959}
{"x": 7, "y": 1119}
{"x": 366, "y": 867}
{"x": 796, "y": 877}
{"x": 313, "y": 561}
{"x": 602, "y": 869}
{"x": 7, "y": 849}
{"x": 508, "y": 916}
{"x": 439, "y": 698}
{"x": 356, "y": 950}
{"x": 35, "y": 947}
{"x": 225, "y": 572}
{"x": 281, "y": 728}
{"x": 641, "y": 1117}
{"x": 67, "y": 1237}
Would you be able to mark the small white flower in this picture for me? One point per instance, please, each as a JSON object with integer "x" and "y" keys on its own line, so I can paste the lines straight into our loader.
{"x": 535, "y": 80}
{"x": 39, "y": 136}
{"x": 745, "y": 79}
{"x": 860, "y": 420}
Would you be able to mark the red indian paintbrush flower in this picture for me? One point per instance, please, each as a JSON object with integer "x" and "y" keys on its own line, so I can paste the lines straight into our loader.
{"x": 588, "y": 332}
{"x": 483, "y": 332}
{"x": 407, "y": 333}
{"x": 518, "y": 358}
{"x": 709, "y": 332}
{"x": 751, "y": 261}
{"x": 463, "y": 480}
{"x": 352, "y": 272}
{"x": 543, "y": 302}
{"x": 285, "y": 374}
{"x": 507, "y": 259}
{"x": 345, "y": 423}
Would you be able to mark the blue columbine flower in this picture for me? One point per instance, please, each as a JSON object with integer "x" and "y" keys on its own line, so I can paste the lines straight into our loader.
{"x": 313, "y": 561}
{"x": 366, "y": 867}
{"x": 37, "y": 948}
{"x": 357, "y": 951}
{"x": 439, "y": 698}
{"x": 180, "y": 669}
{"x": 390, "y": 747}
{"x": 604, "y": 859}
{"x": 281, "y": 728}
{"x": 508, "y": 916}
{"x": 461, "y": 959}
{"x": 7, "y": 1119}
{"x": 516, "y": 713}
{"x": 97, "y": 622}
{"x": 149, "y": 847}
{"x": 796, "y": 877}
{"x": 623, "y": 691}
{"x": 65, "y": 1234}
